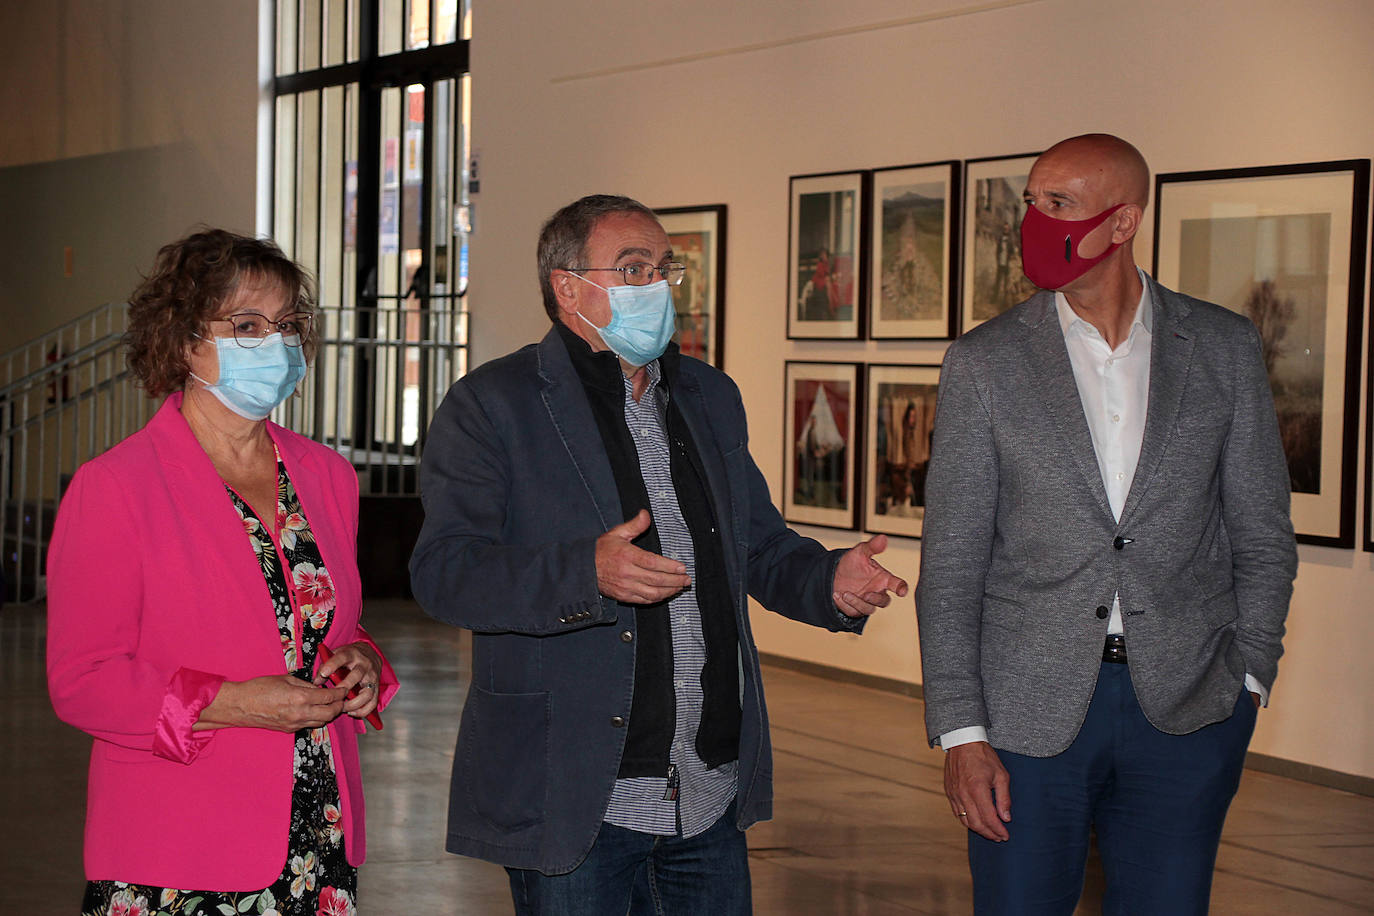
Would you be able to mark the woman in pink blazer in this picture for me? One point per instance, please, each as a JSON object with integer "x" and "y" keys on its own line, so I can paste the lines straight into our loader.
{"x": 196, "y": 570}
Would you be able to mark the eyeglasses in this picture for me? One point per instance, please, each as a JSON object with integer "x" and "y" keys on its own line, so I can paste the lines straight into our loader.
{"x": 251, "y": 327}
{"x": 643, "y": 274}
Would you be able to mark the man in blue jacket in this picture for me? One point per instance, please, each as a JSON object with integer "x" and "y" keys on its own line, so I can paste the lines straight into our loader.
{"x": 593, "y": 515}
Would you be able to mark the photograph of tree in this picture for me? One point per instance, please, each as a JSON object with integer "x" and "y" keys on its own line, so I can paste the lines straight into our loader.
{"x": 1285, "y": 246}
{"x": 913, "y": 208}
{"x": 1273, "y": 270}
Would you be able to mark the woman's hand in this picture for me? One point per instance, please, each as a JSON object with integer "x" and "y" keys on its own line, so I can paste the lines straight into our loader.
{"x": 278, "y": 702}
{"x": 360, "y": 666}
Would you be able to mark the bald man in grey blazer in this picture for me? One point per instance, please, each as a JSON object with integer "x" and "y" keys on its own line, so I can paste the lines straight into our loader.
{"x": 1107, "y": 561}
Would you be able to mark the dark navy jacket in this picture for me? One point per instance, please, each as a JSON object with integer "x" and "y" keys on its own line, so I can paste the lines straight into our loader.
{"x": 516, "y": 488}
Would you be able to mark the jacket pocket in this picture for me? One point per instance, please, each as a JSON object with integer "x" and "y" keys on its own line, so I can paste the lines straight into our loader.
{"x": 504, "y": 742}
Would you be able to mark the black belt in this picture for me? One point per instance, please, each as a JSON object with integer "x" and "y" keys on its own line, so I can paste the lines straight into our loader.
{"x": 1114, "y": 649}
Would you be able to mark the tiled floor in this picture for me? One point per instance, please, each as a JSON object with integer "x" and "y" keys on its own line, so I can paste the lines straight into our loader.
{"x": 862, "y": 826}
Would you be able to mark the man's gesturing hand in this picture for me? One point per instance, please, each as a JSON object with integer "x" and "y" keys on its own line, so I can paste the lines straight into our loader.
{"x": 861, "y": 583}
{"x": 626, "y": 573}
{"x": 979, "y": 789}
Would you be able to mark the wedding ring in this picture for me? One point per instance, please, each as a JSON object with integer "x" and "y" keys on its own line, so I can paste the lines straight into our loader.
{"x": 368, "y": 686}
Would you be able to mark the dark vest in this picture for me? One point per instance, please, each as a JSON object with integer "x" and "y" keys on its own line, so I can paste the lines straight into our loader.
{"x": 653, "y": 710}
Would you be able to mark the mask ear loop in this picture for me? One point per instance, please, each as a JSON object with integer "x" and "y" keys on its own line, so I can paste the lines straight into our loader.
{"x": 598, "y": 286}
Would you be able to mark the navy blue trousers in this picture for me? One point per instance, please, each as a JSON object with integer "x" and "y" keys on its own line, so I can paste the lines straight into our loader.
{"x": 1157, "y": 802}
{"x": 640, "y": 874}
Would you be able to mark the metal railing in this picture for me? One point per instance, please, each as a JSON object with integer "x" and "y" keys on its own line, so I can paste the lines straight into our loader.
{"x": 64, "y": 397}
{"x": 67, "y": 396}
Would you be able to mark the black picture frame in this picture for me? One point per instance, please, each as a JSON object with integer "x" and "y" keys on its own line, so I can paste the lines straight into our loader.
{"x": 698, "y": 236}
{"x": 913, "y": 283}
{"x": 827, "y": 255}
{"x": 991, "y": 280}
{"x": 822, "y": 415}
{"x": 899, "y": 418}
{"x": 1286, "y": 245}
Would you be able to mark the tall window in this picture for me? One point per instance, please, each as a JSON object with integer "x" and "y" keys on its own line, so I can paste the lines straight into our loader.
{"x": 370, "y": 185}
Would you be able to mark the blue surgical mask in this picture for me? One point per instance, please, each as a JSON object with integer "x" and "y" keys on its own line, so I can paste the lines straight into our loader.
{"x": 254, "y": 381}
{"x": 642, "y": 321}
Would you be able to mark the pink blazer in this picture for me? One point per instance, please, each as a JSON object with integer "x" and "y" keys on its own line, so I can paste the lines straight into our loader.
{"x": 154, "y": 598}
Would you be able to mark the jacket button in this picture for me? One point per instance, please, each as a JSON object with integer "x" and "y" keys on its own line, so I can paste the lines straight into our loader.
{"x": 1119, "y": 543}
{"x": 627, "y": 636}
{"x": 618, "y": 721}
{"x": 1103, "y": 611}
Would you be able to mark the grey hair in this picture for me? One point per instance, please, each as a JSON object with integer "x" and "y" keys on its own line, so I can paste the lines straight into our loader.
{"x": 563, "y": 239}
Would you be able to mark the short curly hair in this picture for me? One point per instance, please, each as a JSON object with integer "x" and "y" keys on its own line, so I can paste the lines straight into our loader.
{"x": 191, "y": 281}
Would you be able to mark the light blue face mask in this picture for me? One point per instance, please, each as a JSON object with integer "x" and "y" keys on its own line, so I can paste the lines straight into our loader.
{"x": 642, "y": 321}
{"x": 254, "y": 381}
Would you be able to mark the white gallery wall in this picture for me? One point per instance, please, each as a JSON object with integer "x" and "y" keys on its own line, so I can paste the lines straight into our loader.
{"x": 720, "y": 101}
{"x": 128, "y": 121}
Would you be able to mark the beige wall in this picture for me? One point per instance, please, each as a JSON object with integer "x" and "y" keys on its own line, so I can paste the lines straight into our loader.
{"x": 126, "y": 122}
{"x": 730, "y": 100}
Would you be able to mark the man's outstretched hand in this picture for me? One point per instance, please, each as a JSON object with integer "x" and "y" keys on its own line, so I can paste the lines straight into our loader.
{"x": 862, "y": 585}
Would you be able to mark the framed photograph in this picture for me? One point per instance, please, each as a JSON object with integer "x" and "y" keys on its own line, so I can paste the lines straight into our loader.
{"x": 899, "y": 422}
{"x": 1285, "y": 246}
{"x": 827, "y": 240}
{"x": 821, "y": 405}
{"x": 993, "y": 207}
{"x": 697, "y": 235}
{"x": 915, "y": 214}
{"x": 1369, "y": 432}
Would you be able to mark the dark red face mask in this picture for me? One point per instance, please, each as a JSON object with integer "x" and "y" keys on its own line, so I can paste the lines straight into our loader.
{"x": 1049, "y": 247}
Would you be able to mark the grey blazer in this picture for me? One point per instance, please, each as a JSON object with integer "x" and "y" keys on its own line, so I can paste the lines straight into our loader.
{"x": 1020, "y": 548}
{"x": 517, "y": 487}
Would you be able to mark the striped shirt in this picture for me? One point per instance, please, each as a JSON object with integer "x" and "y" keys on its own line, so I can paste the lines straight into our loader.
{"x": 644, "y": 803}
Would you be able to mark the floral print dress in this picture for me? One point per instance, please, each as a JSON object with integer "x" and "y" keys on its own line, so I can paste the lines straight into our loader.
{"x": 317, "y": 880}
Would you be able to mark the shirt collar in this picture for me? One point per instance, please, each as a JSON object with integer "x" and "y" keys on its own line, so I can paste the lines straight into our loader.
{"x": 1144, "y": 311}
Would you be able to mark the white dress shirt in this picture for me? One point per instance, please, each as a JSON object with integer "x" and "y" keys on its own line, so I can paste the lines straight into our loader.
{"x": 1114, "y": 386}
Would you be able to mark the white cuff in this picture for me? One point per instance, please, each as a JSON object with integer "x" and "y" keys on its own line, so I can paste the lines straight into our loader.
{"x": 966, "y": 735}
{"x": 1255, "y": 686}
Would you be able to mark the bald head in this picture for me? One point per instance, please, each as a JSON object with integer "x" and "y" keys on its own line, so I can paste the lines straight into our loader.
{"x": 1113, "y": 169}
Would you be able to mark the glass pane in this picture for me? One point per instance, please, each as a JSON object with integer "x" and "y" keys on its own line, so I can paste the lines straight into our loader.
{"x": 350, "y": 215}
{"x": 335, "y": 31}
{"x": 341, "y": 410}
{"x": 354, "y": 32}
{"x": 441, "y": 191}
{"x": 387, "y": 330}
{"x": 286, "y": 36}
{"x": 284, "y": 175}
{"x": 446, "y": 16}
{"x": 463, "y": 208}
{"x": 390, "y": 26}
{"x": 417, "y": 24}
{"x": 415, "y": 283}
{"x": 308, "y": 189}
{"x": 331, "y": 277}
{"x": 310, "y": 34}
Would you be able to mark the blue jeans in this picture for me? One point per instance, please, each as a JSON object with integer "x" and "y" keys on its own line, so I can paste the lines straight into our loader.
{"x": 1157, "y": 802}
{"x": 639, "y": 874}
